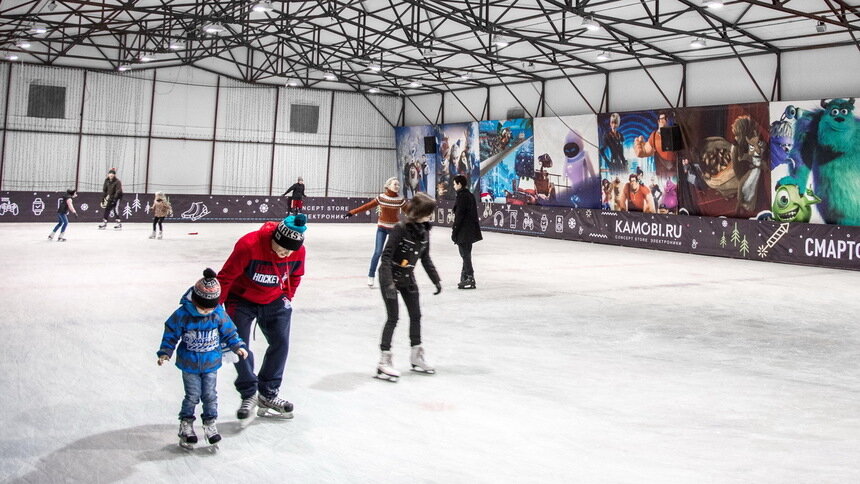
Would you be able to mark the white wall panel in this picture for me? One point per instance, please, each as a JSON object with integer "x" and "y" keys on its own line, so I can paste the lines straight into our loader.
{"x": 309, "y": 97}
{"x": 241, "y": 168}
{"x": 357, "y": 123}
{"x": 39, "y": 161}
{"x": 101, "y": 153}
{"x": 360, "y": 173}
{"x": 630, "y": 90}
{"x": 308, "y": 162}
{"x": 815, "y": 74}
{"x": 117, "y": 103}
{"x": 25, "y": 75}
{"x": 501, "y": 100}
{"x": 726, "y": 81}
{"x": 421, "y": 110}
{"x": 4, "y": 77}
{"x": 183, "y": 108}
{"x": 455, "y": 112}
{"x": 180, "y": 166}
{"x": 245, "y": 113}
{"x": 562, "y": 99}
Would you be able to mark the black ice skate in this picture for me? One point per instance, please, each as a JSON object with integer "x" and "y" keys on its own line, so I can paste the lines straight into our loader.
{"x": 247, "y": 407}
{"x": 418, "y": 363}
{"x": 103, "y": 226}
{"x": 274, "y": 407}
{"x": 187, "y": 437}
{"x": 118, "y": 226}
{"x": 467, "y": 283}
{"x": 212, "y": 435}
{"x": 385, "y": 369}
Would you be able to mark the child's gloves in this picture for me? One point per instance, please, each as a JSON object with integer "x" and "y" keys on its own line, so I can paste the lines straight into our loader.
{"x": 162, "y": 359}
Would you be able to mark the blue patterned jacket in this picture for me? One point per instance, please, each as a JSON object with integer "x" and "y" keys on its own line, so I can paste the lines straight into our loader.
{"x": 200, "y": 337}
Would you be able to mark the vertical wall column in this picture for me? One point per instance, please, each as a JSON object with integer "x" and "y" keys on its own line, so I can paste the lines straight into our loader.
{"x": 274, "y": 139}
{"x": 214, "y": 134}
{"x": 149, "y": 133}
{"x": 81, "y": 132}
{"x": 328, "y": 153}
{"x": 6, "y": 122}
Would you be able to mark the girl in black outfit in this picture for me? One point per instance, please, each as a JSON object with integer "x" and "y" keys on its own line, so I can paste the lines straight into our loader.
{"x": 408, "y": 242}
{"x": 466, "y": 229}
{"x": 63, "y": 210}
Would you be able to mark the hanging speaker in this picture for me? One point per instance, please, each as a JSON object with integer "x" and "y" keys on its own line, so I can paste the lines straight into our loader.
{"x": 671, "y": 137}
{"x": 430, "y": 145}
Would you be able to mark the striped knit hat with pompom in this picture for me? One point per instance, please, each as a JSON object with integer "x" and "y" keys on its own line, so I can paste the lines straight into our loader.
{"x": 206, "y": 291}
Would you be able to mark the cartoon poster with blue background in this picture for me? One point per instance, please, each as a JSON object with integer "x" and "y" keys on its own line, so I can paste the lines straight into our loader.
{"x": 416, "y": 169}
{"x": 566, "y": 170}
{"x": 506, "y": 153}
{"x": 457, "y": 154}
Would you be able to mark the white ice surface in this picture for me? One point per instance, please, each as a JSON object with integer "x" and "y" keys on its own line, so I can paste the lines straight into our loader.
{"x": 571, "y": 362}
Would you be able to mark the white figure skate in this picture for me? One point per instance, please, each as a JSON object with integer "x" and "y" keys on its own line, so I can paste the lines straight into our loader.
{"x": 385, "y": 369}
{"x": 418, "y": 363}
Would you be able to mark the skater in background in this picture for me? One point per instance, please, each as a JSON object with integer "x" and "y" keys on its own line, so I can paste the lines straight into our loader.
{"x": 259, "y": 281}
{"x": 112, "y": 195}
{"x": 297, "y": 198}
{"x": 409, "y": 241}
{"x": 389, "y": 204}
{"x": 200, "y": 327}
{"x": 466, "y": 229}
{"x": 63, "y": 210}
{"x": 161, "y": 209}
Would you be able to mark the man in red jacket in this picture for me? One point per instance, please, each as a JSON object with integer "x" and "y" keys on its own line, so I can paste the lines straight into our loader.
{"x": 258, "y": 281}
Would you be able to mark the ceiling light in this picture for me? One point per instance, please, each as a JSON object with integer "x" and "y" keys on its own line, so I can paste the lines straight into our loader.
{"x": 465, "y": 77}
{"x": 821, "y": 27}
{"x": 604, "y": 56}
{"x": 500, "y": 41}
{"x": 415, "y": 84}
{"x": 590, "y": 24}
{"x": 529, "y": 66}
{"x": 373, "y": 90}
{"x": 330, "y": 76}
{"x": 22, "y": 44}
{"x": 10, "y": 57}
{"x": 52, "y": 5}
{"x": 123, "y": 68}
{"x": 292, "y": 83}
{"x": 38, "y": 29}
{"x": 698, "y": 43}
{"x": 429, "y": 52}
{"x": 213, "y": 28}
{"x": 146, "y": 57}
{"x": 176, "y": 45}
{"x": 264, "y": 6}
{"x": 714, "y": 4}
{"x": 373, "y": 67}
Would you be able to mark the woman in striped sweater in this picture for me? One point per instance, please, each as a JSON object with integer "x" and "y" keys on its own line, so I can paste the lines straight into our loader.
{"x": 389, "y": 204}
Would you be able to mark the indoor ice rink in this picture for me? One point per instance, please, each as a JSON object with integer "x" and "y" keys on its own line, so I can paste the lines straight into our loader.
{"x": 665, "y": 287}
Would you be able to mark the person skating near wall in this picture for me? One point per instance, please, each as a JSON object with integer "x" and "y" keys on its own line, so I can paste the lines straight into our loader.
{"x": 297, "y": 198}
{"x": 466, "y": 229}
{"x": 63, "y": 210}
{"x": 161, "y": 209}
{"x": 200, "y": 327}
{"x": 408, "y": 243}
{"x": 259, "y": 281}
{"x": 111, "y": 197}
{"x": 389, "y": 204}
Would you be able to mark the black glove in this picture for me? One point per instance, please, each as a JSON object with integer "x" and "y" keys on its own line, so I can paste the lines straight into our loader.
{"x": 389, "y": 292}
{"x": 438, "y": 287}
{"x": 348, "y": 215}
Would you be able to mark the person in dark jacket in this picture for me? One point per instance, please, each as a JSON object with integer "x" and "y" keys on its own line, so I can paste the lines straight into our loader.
{"x": 466, "y": 229}
{"x": 408, "y": 242}
{"x": 112, "y": 193}
{"x": 63, "y": 210}
{"x": 296, "y": 199}
{"x": 200, "y": 327}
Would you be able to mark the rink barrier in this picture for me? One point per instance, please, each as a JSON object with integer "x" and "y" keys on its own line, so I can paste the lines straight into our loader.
{"x": 833, "y": 246}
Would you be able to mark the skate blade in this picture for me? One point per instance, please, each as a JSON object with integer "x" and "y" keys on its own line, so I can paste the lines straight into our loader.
{"x": 269, "y": 413}
{"x": 186, "y": 445}
{"x": 424, "y": 372}
{"x": 384, "y": 377}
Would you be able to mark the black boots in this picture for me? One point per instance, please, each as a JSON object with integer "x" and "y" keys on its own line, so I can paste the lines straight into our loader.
{"x": 467, "y": 282}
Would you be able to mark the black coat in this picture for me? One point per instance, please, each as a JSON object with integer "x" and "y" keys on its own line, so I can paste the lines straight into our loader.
{"x": 466, "y": 228}
{"x": 407, "y": 243}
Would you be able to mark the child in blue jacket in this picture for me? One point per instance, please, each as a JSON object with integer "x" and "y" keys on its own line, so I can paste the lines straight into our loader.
{"x": 201, "y": 327}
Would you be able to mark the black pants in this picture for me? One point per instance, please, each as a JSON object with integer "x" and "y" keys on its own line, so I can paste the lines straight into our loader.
{"x": 410, "y": 297}
{"x": 157, "y": 220}
{"x": 111, "y": 206}
{"x": 466, "y": 254}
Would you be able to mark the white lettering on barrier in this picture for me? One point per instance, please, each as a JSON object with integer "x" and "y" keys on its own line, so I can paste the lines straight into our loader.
{"x": 648, "y": 228}
{"x": 832, "y": 249}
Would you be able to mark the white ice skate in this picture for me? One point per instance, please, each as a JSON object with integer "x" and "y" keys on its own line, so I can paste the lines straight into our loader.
{"x": 212, "y": 435}
{"x": 118, "y": 226}
{"x": 370, "y": 281}
{"x": 160, "y": 234}
{"x": 103, "y": 226}
{"x": 385, "y": 369}
{"x": 274, "y": 407}
{"x": 187, "y": 437}
{"x": 152, "y": 235}
{"x": 246, "y": 409}
{"x": 418, "y": 363}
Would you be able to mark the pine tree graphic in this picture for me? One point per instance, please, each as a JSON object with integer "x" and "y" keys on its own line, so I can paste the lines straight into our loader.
{"x": 126, "y": 212}
{"x": 136, "y": 204}
{"x": 147, "y": 207}
{"x": 736, "y": 236}
{"x": 745, "y": 247}
{"x": 723, "y": 240}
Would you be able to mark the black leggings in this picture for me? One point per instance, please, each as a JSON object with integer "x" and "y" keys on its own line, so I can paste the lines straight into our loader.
{"x": 157, "y": 220}
{"x": 410, "y": 297}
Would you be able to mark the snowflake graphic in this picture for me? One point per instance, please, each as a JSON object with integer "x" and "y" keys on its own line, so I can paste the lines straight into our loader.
{"x": 588, "y": 213}
{"x": 762, "y": 251}
{"x": 571, "y": 222}
{"x": 264, "y": 208}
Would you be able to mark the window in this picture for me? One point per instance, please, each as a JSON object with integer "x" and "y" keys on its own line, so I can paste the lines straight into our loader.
{"x": 46, "y": 102}
{"x": 304, "y": 118}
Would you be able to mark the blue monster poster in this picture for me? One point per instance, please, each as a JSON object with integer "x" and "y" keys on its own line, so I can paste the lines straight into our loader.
{"x": 416, "y": 169}
{"x": 457, "y": 155}
{"x": 566, "y": 168}
{"x": 507, "y": 158}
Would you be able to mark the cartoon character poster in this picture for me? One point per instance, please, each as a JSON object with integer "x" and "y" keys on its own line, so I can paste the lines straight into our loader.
{"x": 815, "y": 161}
{"x": 724, "y": 166}
{"x": 507, "y": 158}
{"x": 416, "y": 169}
{"x": 457, "y": 155}
{"x": 637, "y": 173}
{"x": 565, "y": 171}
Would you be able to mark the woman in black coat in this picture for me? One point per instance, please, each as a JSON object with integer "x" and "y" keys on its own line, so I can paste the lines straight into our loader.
{"x": 466, "y": 230}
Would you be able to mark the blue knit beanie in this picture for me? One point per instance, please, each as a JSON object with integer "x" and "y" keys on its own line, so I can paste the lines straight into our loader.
{"x": 290, "y": 233}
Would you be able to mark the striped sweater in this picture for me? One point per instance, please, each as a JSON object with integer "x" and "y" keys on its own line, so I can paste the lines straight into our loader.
{"x": 389, "y": 203}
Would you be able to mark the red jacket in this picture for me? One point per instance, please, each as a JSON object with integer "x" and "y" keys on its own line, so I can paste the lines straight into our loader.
{"x": 255, "y": 273}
